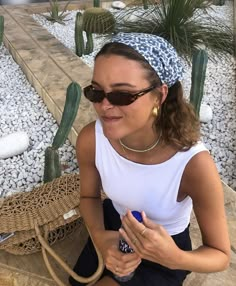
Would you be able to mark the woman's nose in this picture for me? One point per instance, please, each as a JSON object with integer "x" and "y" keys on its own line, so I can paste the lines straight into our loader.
{"x": 105, "y": 104}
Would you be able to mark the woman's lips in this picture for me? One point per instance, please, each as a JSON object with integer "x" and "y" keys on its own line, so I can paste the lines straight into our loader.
{"x": 111, "y": 118}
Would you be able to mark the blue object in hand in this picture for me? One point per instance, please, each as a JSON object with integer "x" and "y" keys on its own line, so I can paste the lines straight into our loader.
{"x": 125, "y": 248}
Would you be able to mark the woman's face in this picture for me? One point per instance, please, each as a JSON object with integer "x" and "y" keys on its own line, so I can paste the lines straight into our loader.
{"x": 117, "y": 73}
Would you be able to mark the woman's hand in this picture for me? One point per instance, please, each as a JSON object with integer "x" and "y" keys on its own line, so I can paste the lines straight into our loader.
{"x": 119, "y": 263}
{"x": 150, "y": 241}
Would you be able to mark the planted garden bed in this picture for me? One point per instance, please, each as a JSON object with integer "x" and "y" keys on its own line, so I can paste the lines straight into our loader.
{"x": 218, "y": 134}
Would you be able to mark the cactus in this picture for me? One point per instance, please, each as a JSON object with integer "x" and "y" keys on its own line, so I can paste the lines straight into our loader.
{"x": 199, "y": 64}
{"x": 98, "y": 20}
{"x": 145, "y": 4}
{"x": 1, "y": 29}
{"x": 96, "y": 3}
{"x": 79, "y": 39}
{"x": 52, "y": 168}
{"x": 219, "y": 2}
{"x": 89, "y": 44}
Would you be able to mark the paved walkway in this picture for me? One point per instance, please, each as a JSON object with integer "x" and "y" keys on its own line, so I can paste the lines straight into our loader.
{"x": 50, "y": 67}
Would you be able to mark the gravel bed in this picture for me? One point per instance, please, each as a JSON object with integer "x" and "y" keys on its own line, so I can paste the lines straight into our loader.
{"x": 22, "y": 109}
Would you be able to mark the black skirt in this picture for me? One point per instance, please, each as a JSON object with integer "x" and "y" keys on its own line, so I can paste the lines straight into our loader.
{"x": 147, "y": 274}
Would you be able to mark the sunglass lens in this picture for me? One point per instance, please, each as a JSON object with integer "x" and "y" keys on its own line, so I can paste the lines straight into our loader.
{"x": 120, "y": 98}
{"x": 115, "y": 98}
{"x": 93, "y": 95}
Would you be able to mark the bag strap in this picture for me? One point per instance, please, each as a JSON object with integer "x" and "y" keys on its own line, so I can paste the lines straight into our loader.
{"x": 46, "y": 248}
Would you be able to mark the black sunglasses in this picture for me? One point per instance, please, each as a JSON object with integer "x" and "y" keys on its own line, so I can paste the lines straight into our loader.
{"x": 116, "y": 97}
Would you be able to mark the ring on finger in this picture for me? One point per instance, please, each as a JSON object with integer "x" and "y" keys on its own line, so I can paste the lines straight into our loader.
{"x": 134, "y": 241}
{"x": 143, "y": 231}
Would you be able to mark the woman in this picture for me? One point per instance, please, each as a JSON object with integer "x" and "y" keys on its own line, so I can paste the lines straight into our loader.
{"x": 144, "y": 152}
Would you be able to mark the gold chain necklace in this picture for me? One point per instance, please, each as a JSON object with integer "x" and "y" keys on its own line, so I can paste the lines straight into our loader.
{"x": 144, "y": 150}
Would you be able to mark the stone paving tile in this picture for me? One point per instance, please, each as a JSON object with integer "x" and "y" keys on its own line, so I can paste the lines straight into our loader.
{"x": 48, "y": 64}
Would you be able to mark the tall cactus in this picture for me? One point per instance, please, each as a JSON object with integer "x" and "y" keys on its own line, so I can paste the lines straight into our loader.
{"x": 52, "y": 168}
{"x": 79, "y": 39}
{"x": 199, "y": 65}
{"x": 1, "y": 29}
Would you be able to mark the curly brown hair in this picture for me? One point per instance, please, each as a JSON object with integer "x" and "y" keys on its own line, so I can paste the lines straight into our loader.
{"x": 177, "y": 120}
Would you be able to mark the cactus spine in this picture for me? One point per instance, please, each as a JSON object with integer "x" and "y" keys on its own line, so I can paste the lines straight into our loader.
{"x": 52, "y": 168}
{"x": 79, "y": 39}
{"x": 199, "y": 65}
{"x": 1, "y": 29}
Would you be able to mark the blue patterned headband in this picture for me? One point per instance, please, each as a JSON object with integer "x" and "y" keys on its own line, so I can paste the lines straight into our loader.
{"x": 158, "y": 52}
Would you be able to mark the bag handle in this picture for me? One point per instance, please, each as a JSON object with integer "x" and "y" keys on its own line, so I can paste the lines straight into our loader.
{"x": 46, "y": 248}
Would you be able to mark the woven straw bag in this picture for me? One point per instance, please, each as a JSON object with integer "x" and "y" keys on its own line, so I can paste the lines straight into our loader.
{"x": 36, "y": 220}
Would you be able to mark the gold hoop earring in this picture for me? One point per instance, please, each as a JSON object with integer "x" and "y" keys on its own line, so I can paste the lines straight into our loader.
{"x": 155, "y": 111}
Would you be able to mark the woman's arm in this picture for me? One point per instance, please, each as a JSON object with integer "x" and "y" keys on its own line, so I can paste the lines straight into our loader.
{"x": 202, "y": 183}
{"x": 90, "y": 185}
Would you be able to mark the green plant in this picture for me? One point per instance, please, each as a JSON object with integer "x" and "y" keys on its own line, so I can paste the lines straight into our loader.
{"x": 186, "y": 24}
{"x": 52, "y": 166}
{"x": 79, "y": 39}
{"x": 89, "y": 44}
{"x": 96, "y": 3}
{"x": 219, "y": 2}
{"x": 97, "y": 20}
{"x": 199, "y": 65}
{"x": 145, "y": 4}
{"x": 55, "y": 14}
{"x": 1, "y": 29}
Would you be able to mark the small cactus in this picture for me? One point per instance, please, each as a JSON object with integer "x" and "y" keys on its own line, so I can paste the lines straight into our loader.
{"x": 219, "y": 2}
{"x": 52, "y": 167}
{"x": 199, "y": 65}
{"x": 1, "y": 29}
{"x": 98, "y": 21}
{"x": 89, "y": 44}
{"x": 79, "y": 39}
{"x": 145, "y": 4}
{"x": 96, "y": 3}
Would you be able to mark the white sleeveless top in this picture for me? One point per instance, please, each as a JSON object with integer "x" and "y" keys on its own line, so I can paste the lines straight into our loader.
{"x": 150, "y": 188}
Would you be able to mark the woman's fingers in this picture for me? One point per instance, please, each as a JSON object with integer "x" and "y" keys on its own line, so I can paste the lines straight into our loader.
{"x": 124, "y": 264}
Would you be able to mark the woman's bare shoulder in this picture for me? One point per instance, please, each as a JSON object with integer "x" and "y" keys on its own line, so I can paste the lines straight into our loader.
{"x": 200, "y": 176}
